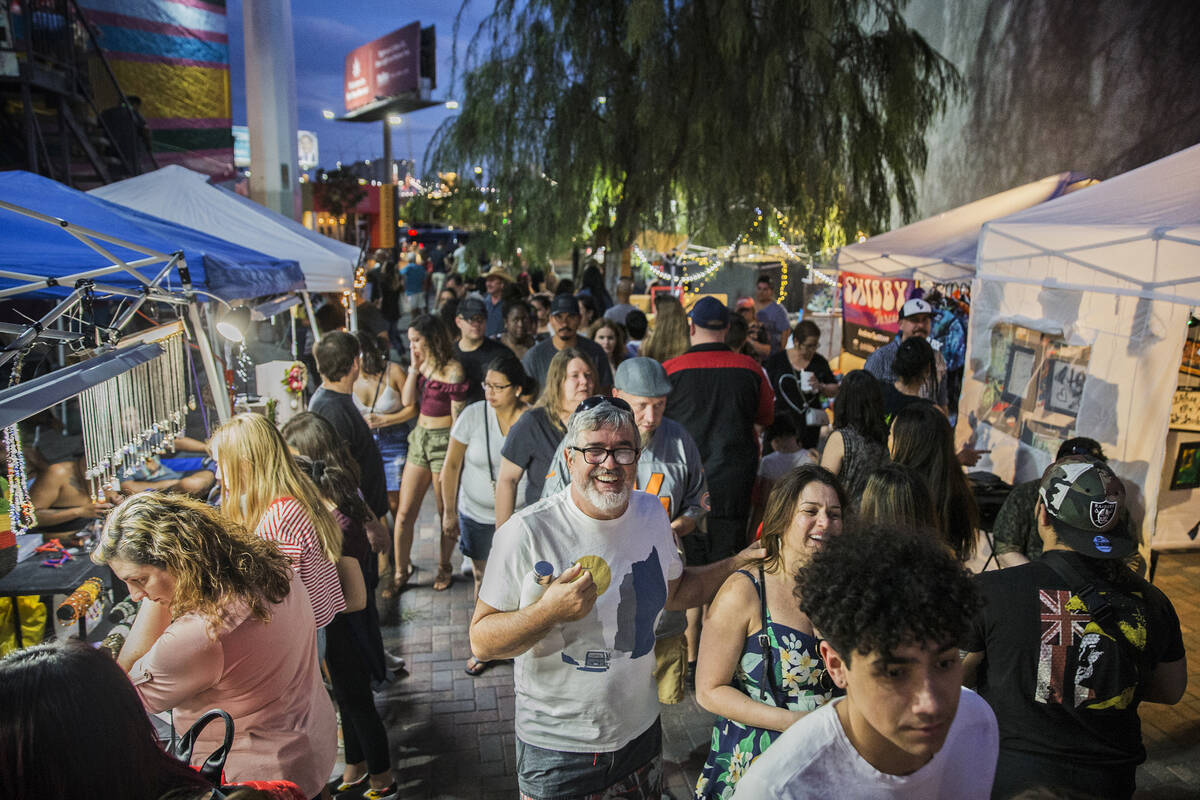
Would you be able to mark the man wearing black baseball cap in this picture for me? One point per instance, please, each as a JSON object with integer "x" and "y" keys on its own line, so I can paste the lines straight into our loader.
{"x": 564, "y": 327}
{"x": 475, "y": 351}
{"x": 1067, "y": 646}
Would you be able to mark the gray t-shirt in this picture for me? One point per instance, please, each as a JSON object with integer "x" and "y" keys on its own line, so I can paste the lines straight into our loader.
{"x": 537, "y": 361}
{"x": 530, "y": 445}
{"x": 619, "y": 312}
{"x": 477, "y": 483}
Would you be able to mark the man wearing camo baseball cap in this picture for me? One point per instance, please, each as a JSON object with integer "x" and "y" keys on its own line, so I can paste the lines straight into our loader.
{"x": 1068, "y": 645}
{"x": 1081, "y": 496}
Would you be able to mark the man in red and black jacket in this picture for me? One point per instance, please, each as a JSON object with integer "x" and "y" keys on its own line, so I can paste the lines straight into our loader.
{"x": 724, "y": 400}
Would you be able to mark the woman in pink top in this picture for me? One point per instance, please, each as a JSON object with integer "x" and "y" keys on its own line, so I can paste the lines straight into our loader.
{"x": 263, "y": 489}
{"x": 226, "y": 625}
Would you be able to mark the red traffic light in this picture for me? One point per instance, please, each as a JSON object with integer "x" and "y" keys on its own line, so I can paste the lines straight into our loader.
{"x": 412, "y": 231}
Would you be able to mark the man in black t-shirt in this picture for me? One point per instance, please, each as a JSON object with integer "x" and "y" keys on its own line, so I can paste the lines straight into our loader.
{"x": 338, "y": 362}
{"x": 475, "y": 351}
{"x": 1067, "y": 646}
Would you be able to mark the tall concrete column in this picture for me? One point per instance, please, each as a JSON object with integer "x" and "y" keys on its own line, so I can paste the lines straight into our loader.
{"x": 271, "y": 104}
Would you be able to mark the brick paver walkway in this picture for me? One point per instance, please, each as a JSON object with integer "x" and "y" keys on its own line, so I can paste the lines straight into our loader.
{"x": 452, "y": 735}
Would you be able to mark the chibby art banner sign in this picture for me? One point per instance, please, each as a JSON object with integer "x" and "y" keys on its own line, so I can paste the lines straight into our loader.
{"x": 871, "y": 310}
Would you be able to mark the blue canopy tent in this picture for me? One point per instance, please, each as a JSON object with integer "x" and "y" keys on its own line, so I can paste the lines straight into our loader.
{"x": 63, "y": 244}
{"x": 30, "y": 251}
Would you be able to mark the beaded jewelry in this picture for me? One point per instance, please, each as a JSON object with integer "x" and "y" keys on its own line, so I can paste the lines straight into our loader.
{"x": 80, "y": 600}
{"x": 20, "y": 509}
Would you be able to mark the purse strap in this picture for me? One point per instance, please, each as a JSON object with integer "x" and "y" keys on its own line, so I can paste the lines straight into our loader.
{"x": 213, "y": 766}
{"x": 487, "y": 439}
{"x": 378, "y": 386}
{"x": 764, "y": 642}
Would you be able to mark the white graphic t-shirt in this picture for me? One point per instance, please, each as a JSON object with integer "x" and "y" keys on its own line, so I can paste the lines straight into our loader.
{"x": 587, "y": 686}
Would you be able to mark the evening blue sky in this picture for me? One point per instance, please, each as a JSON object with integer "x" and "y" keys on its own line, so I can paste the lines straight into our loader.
{"x": 324, "y": 33}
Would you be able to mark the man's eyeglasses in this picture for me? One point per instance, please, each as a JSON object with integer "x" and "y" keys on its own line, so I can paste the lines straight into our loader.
{"x": 601, "y": 399}
{"x": 624, "y": 456}
{"x": 495, "y": 387}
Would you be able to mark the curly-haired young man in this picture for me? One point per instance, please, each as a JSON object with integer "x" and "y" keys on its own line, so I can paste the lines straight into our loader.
{"x": 891, "y": 606}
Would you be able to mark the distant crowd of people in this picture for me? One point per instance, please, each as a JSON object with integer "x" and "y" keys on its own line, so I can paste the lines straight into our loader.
{"x": 645, "y": 511}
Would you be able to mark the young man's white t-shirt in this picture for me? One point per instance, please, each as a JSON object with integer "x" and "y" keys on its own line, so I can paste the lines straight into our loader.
{"x": 588, "y": 686}
{"x": 813, "y": 758}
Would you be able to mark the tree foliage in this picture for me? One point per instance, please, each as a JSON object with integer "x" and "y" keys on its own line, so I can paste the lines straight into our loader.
{"x": 684, "y": 115}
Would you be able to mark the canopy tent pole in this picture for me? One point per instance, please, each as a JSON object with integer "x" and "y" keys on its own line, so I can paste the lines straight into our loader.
{"x": 31, "y": 333}
{"x": 312, "y": 317}
{"x": 216, "y": 381}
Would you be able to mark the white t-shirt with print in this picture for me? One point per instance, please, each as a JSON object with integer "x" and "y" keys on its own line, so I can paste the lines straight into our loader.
{"x": 587, "y": 686}
{"x": 814, "y": 759}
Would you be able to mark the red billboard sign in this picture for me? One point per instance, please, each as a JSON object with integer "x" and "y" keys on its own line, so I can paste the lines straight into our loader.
{"x": 384, "y": 68}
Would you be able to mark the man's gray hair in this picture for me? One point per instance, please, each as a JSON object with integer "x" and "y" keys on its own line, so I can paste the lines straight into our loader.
{"x": 605, "y": 415}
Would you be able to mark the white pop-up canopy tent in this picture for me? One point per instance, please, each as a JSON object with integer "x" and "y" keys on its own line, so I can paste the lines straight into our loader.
{"x": 942, "y": 248}
{"x": 1078, "y": 319}
{"x": 185, "y": 197}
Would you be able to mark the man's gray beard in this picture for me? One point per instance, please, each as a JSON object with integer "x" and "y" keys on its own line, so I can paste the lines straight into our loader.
{"x": 607, "y": 501}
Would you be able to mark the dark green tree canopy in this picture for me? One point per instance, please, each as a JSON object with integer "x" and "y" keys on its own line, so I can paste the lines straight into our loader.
{"x": 684, "y": 115}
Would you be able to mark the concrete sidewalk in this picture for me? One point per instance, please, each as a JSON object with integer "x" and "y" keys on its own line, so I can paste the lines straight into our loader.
{"x": 452, "y": 735}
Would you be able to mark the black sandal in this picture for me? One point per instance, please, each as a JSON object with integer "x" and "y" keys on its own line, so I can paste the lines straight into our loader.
{"x": 479, "y": 668}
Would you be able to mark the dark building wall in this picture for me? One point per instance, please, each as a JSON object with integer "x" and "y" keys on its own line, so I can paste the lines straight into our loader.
{"x": 1094, "y": 86}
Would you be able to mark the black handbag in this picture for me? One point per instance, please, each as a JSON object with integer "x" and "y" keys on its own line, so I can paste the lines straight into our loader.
{"x": 213, "y": 767}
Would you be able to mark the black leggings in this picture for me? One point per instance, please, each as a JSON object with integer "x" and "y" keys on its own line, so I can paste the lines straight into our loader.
{"x": 363, "y": 732}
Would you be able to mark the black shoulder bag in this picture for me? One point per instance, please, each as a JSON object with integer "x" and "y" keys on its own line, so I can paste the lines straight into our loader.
{"x": 213, "y": 767}
{"x": 764, "y": 641}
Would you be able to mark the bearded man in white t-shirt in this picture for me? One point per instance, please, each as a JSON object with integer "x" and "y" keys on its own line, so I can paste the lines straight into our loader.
{"x": 891, "y": 607}
{"x": 574, "y": 588}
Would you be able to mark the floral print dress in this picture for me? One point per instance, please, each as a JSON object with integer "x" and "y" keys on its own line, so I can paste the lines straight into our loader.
{"x": 796, "y": 685}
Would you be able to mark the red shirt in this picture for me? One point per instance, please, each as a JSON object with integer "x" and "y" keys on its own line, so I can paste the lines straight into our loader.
{"x": 287, "y": 524}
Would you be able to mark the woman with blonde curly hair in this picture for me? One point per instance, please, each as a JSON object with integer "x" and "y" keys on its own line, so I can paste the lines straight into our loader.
{"x": 223, "y": 624}
{"x": 669, "y": 337}
{"x": 263, "y": 489}
{"x": 759, "y": 668}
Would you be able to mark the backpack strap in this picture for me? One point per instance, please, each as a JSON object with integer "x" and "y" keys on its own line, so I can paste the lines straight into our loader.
{"x": 1086, "y": 590}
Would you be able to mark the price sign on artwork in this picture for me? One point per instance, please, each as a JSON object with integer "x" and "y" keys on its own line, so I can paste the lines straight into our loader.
{"x": 1185, "y": 410}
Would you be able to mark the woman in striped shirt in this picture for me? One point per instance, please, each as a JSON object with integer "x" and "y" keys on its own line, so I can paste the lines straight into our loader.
{"x": 264, "y": 490}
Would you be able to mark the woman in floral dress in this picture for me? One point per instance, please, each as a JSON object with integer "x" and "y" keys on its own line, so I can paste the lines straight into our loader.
{"x": 759, "y": 667}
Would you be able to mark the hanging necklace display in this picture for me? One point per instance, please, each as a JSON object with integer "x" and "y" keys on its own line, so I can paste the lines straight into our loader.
{"x": 20, "y": 508}
{"x": 133, "y": 417}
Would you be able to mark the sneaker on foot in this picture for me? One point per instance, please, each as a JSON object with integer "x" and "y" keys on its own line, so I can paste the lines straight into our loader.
{"x": 393, "y": 662}
{"x": 390, "y": 793}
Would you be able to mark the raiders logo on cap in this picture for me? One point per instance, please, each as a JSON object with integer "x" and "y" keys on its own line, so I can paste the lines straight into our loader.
{"x": 1102, "y": 512}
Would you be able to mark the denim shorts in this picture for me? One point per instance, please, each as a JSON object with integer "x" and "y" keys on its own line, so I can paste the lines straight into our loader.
{"x": 475, "y": 538}
{"x": 632, "y": 773}
{"x": 393, "y": 447}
